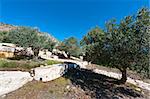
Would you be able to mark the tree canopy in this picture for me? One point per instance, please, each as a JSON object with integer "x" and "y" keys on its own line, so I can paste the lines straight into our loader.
{"x": 27, "y": 37}
{"x": 70, "y": 46}
{"x": 124, "y": 45}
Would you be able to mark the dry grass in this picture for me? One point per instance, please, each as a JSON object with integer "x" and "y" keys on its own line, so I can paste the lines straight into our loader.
{"x": 40, "y": 90}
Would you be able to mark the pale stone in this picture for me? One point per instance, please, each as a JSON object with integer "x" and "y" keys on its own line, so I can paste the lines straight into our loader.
{"x": 57, "y": 51}
{"x": 138, "y": 89}
{"x": 48, "y": 53}
{"x": 63, "y": 52}
{"x": 41, "y": 53}
{"x": 29, "y": 51}
{"x": 81, "y": 57}
{"x": 68, "y": 87}
{"x": 49, "y": 73}
{"x": 85, "y": 63}
{"x": 8, "y": 45}
{"x": 55, "y": 57}
{"x": 12, "y": 80}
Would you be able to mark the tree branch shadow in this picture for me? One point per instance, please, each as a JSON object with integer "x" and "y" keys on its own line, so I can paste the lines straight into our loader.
{"x": 100, "y": 86}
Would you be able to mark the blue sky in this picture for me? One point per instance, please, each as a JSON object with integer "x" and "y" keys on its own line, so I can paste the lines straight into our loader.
{"x": 65, "y": 18}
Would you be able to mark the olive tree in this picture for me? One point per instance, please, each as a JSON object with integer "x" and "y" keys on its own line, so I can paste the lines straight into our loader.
{"x": 70, "y": 46}
{"x": 28, "y": 37}
{"x": 124, "y": 45}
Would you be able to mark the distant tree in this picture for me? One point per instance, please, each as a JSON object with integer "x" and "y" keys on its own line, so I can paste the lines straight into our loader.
{"x": 70, "y": 46}
{"x": 24, "y": 36}
{"x": 28, "y": 37}
{"x": 4, "y": 36}
{"x": 92, "y": 44}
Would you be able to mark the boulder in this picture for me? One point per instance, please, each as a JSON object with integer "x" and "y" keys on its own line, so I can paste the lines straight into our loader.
{"x": 60, "y": 54}
{"x": 45, "y": 53}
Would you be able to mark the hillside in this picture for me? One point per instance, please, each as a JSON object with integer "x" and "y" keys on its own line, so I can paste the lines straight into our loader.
{"x": 8, "y": 27}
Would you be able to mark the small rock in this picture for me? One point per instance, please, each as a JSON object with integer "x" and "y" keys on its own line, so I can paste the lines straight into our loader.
{"x": 68, "y": 87}
{"x": 3, "y": 96}
{"x": 138, "y": 89}
{"x": 41, "y": 65}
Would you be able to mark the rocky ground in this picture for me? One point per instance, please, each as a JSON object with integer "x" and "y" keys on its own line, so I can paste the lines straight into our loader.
{"x": 78, "y": 84}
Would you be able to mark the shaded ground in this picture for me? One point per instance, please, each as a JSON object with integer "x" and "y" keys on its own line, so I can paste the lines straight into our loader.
{"x": 77, "y": 84}
{"x": 102, "y": 87}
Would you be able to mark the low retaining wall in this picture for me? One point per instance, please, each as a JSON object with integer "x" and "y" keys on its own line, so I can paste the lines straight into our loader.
{"x": 13, "y": 80}
{"x": 48, "y": 73}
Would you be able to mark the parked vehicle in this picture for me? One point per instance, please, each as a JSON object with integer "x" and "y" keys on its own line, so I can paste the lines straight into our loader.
{"x": 72, "y": 65}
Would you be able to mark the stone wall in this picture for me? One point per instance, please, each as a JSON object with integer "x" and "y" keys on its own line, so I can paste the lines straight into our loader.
{"x": 48, "y": 73}
{"x": 12, "y": 80}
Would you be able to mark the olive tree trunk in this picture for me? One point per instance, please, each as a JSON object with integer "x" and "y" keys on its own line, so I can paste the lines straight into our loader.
{"x": 124, "y": 76}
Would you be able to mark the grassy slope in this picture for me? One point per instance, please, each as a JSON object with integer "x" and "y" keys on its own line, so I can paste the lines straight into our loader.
{"x": 6, "y": 64}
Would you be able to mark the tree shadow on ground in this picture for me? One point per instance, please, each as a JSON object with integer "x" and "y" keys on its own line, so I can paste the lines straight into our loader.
{"x": 100, "y": 86}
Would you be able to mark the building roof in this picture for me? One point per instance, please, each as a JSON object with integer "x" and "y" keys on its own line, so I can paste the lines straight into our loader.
{"x": 6, "y": 49}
